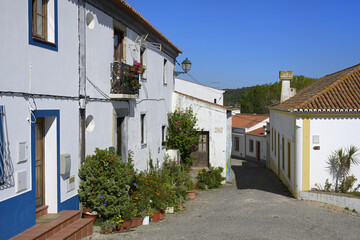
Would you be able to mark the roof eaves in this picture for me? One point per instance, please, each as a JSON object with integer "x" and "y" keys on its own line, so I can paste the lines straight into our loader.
{"x": 133, "y": 12}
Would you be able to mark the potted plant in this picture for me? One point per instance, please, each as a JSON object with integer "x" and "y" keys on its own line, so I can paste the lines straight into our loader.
{"x": 108, "y": 226}
{"x": 131, "y": 82}
{"x": 103, "y": 183}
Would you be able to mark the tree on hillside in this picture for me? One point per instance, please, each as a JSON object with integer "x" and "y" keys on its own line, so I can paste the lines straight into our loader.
{"x": 257, "y": 98}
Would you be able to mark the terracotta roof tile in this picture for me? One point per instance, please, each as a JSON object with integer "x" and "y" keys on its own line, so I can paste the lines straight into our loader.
{"x": 340, "y": 90}
{"x": 257, "y": 132}
{"x": 247, "y": 120}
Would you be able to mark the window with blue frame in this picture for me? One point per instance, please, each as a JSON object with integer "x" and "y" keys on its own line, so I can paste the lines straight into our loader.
{"x": 2, "y": 170}
{"x": 43, "y": 24}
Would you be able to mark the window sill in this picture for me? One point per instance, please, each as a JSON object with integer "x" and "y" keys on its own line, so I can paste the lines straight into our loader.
{"x": 43, "y": 41}
{"x": 33, "y": 40}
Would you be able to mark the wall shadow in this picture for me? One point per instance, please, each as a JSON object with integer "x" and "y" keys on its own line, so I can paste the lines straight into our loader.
{"x": 253, "y": 175}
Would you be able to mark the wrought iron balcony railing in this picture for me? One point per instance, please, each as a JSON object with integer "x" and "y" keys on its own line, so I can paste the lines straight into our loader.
{"x": 124, "y": 81}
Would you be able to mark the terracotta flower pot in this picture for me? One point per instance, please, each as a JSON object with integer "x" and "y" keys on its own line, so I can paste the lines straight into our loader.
{"x": 181, "y": 207}
{"x": 162, "y": 215}
{"x": 155, "y": 217}
{"x": 191, "y": 194}
{"x": 136, "y": 222}
{"x": 90, "y": 215}
{"x": 125, "y": 225}
{"x": 133, "y": 68}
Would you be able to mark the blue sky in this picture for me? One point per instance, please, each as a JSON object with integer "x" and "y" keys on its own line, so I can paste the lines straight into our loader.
{"x": 239, "y": 43}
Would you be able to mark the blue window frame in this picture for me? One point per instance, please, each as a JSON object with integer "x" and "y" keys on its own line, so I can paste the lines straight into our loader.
{"x": 43, "y": 23}
{"x": 2, "y": 170}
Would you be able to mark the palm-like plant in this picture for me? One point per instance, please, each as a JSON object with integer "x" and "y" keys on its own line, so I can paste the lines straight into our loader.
{"x": 340, "y": 162}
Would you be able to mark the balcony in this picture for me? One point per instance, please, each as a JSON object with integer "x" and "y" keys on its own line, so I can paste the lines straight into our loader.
{"x": 124, "y": 82}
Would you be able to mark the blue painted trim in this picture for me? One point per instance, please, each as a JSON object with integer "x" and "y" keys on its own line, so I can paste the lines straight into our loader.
{"x": 39, "y": 43}
{"x": 17, "y": 214}
{"x": 70, "y": 204}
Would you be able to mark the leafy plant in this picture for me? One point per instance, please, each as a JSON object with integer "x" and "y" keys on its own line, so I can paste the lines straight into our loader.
{"x": 183, "y": 134}
{"x": 211, "y": 178}
{"x": 108, "y": 226}
{"x": 327, "y": 187}
{"x": 340, "y": 161}
{"x": 104, "y": 181}
{"x": 347, "y": 184}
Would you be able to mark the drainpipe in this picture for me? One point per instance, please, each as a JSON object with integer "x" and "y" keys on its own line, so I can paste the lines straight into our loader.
{"x": 82, "y": 77}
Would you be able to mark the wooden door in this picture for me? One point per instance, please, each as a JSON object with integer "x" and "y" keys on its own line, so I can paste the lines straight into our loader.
{"x": 119, "y": 123}
{"x": 258, "y": 150}
{"x": 202, "y": 153}
{"x": 39, "y": 161}
{"x": 118, "y": 45}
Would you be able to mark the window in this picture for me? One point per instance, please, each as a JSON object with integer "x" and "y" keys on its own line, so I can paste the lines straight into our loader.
{"x": 142, "y": 123}
{"x": 237, "y": 144}
{"x": 163, "y": 135}
{"x": 164, "y": 72}
{"x": 272, "y": 137}
{"x": 43, "y": 23}
{"x": 2, "y": 169}
{"x": 288, "y": 158}
{"x": 251, "y": 146}
{"x": 214, "y": 100}
{"x": 283, "y": 152}
{"x": 274, "y": 142}
{"x": 118, "y": 45}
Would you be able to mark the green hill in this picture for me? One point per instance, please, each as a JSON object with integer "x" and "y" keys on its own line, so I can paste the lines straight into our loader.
{"x": 256, "y": 99}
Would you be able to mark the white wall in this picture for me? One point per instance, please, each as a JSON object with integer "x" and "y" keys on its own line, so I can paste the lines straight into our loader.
{"x": 284, "y": 125}
{"x": 334, "y": 133}
{"x": 32, "y": 69}
{"x": 154, "y": 97}
{"x": 263, "y": 147}
{"x": 199, "y": 91}
{"x": 241, "y": 152}
{"x": 213, "y": 119}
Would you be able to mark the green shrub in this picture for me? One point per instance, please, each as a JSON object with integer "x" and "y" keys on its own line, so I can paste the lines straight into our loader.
{"x": 211, "y": 178}
{"x": 347, "y": 183}
{"x": 183, "y": 134}
{"x": 104, "y": 184}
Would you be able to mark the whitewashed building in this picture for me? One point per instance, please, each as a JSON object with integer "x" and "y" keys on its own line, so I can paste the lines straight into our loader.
{"x": 62, "y": 95}
{"x": 249, "y": 137}
{"x": 214, "y": 118}
{"x": 308, "y": 127}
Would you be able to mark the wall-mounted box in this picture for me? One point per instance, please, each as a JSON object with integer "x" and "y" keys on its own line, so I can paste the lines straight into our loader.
{"x": 65, "y": 164}
{"x": 21, "y": 152}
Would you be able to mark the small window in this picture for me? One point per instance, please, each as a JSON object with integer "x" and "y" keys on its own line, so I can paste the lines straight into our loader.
{"x": 272, "y": 138}
{"x": 43, "y": 23}
{"x": 237, "y": 147}
{"x": 251, "y": 146}
{"x": 283, "y": 152}
{"x": 289, "y": 158}
{"x": 164, "y": 72}
{"x": 214, "y": 100}
{"x": 142, "y": 123}
{"x": 163, "y": 136}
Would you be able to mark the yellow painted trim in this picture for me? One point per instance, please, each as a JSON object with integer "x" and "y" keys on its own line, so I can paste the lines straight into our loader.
{"x": 318, "y": 114}
{"x": 306, "y": 155}
{"x": 294, "y": 152}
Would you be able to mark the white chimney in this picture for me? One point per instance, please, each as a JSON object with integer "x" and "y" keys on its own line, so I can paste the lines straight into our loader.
{"x": 285, "y": 77}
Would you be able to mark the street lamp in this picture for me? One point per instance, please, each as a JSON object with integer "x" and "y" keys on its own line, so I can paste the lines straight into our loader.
{"x": 186, "y": 65}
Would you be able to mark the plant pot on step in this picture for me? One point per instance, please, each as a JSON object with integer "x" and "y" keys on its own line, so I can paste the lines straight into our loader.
{"x": 135, "y": 222}
{"x": 92, "y": 215}
{"x": 125, "y": 225}
{"x": 191, "y": 194}
{"x": 146, "y": 220}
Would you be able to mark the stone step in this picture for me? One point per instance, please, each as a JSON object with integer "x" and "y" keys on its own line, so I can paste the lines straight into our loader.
{"x": 44, "y": 231}
{"x": 75, "y": 231}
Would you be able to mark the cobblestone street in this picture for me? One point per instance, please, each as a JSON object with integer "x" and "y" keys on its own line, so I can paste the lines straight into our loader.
{"x": 255, "y": 206}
